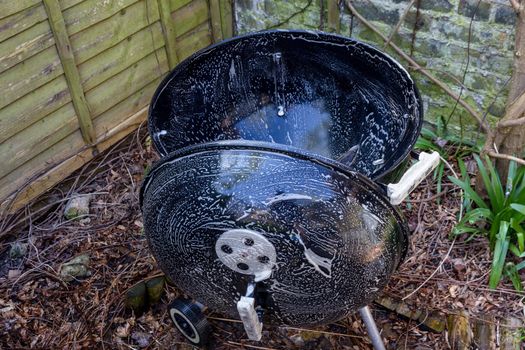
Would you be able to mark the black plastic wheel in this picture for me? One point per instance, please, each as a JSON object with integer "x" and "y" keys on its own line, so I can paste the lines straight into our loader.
{"x": 190, "y": 321}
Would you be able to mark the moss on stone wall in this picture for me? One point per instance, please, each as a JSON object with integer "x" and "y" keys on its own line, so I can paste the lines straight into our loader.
{"x": 437, "y": 36}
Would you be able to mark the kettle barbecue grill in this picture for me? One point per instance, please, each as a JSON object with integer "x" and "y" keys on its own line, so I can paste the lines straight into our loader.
{"x": 270, "y": 202}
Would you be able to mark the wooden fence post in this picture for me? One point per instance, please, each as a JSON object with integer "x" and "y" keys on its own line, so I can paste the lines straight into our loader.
{"x": 226, "y": 7}
{"x": 215, "y": 20}
{"x": 65, "y": 52}
{"x": 334, "y": 23}
{"x": 168, "y": 29}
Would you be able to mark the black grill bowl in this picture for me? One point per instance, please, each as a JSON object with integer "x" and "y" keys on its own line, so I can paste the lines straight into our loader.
{"x": 337, "y": 238}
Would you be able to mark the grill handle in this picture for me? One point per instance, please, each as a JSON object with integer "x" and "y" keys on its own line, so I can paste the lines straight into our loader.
{"x": 412, "y": 177}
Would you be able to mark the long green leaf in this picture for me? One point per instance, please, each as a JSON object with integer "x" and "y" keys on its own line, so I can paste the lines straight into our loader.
{"x": 512, "y": 272}
{"x": 495, "y": 200}
{"x": 461, "y": 229}
{"x": 476, "y": 215}
{"x": 426, "y": 145}
{"x": 497, "y": 188}
{"x": 511, "y": 177}
{"x": 426, "y": 132}
{"x": 465, "y": 186}
{"x": 462, "y": 168}
{"x": 520, "y": 265}
{"x": 494, "y": 229}
{"x": 514, "y": 250}
{"x": 520, "y": 208}
{"x": 484, "y": 176}
{"x": 500, "y": 254}
{"x": 467, "y": 201}
{"x": 503, "y": 232}
{"x": 515, "y": 223}
{"x": 518, "y": 192}
{"x": 440, "y": 169}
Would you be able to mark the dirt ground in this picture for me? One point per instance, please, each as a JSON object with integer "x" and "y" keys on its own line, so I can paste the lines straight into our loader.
{"x": 39, "y": 310}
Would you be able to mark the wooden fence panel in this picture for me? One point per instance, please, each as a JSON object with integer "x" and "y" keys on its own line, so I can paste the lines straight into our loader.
{"x": 29, "y": 75}
{"x": 33, "y": 106}
{"x": 20, "y": 21}
{"x": 44, "y": 133}
{"x": 89, "y": 12}
{"x": 10, "y": 7}
{"x": 112, "y": 53}
{"x": 24, "y": 45}
{"x": 121, "y": 56}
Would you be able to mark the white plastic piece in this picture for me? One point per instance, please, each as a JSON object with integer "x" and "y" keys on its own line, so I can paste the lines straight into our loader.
{"x": 415, "y": 174}
{"x": 247, "y": 252}
{"x": 249, "y": 318}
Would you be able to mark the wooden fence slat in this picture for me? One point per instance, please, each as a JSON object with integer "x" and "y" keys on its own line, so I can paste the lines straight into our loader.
{"x": 177, "y": 4}
{"x": 52, "y": 164}
{"x": 334, "y": 22}
{"x": 61, "y": 123}
{"x": 90, "y": 12}
{"x": 24, "y": 45}
{"x": 226, "y": 18}
{"x": 9, "y": 7}
{"x": 65, "y": 4}
{"x": 127, "y": 82}
{"x": 215, "y": 20}
{"x": 168, "y": 28}
{"x": 33, "y": 106}
{"x": 46, "y": 132}
{"x": 19, "y": 22}
{"x": 190, "y": 16}
{"x": 29, "y": 75}
{"x": 120, "y": 112}
{"x": 75, "y": 161}
{"x": 197, "y": 39}
{"x": 105, "y": 34}
{"x": 119, "y": 57}
{"x": 70, "y": 69}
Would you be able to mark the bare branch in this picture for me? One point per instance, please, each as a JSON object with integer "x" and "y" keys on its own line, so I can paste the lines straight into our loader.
{"x": 286, "y": 20}
{"x": 517, "y": 107}
{"x": 484, "y": 126}
{"x": 511, "y": 122}
{"x": 398, "y": 25}
{"x": 507, "y": 157}
{"x": 515, "y": 5}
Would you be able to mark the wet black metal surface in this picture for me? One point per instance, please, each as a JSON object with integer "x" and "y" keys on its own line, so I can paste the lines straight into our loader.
{"x": 324, "y": 93}
{"x": 337, "y": 238}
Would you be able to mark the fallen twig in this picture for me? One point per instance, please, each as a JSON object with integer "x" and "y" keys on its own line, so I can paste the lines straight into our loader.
{"x": 433, "y": 273}
{"x": 249, "y": 346}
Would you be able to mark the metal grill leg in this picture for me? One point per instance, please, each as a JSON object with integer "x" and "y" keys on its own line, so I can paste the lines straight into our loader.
{"x": 371, "y": 327}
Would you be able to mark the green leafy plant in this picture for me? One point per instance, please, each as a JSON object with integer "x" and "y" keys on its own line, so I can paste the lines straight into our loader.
{"x": 500, "y": 217}
{"x": 439, "y": 139}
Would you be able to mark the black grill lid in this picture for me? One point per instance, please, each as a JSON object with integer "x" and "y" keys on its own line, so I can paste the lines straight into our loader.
{"x": 330, "y": 95}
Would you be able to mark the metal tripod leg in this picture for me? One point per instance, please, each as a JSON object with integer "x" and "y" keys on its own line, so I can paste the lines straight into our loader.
{"x": 371, "y": 327}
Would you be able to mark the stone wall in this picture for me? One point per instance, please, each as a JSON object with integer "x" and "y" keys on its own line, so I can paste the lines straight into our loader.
{"x": 436, "y": 35}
